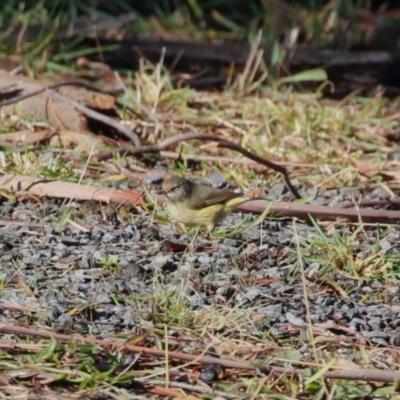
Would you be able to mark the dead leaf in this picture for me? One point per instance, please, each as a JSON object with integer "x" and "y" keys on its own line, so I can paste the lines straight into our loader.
{"x": 73, "y": 139}
{"x": 25, "y": 137}
{"x": 365, "y": 168}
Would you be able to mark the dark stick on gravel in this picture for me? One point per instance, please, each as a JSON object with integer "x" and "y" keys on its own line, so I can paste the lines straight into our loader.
{"x": 376, "y": 375}
{"x": 155, "y": 148}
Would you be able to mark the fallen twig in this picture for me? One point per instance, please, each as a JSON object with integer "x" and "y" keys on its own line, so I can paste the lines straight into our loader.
{"x": 17, "y": 307}
{"x": 222, "y": 142}
{"x": 323, "y": 213}
{"x": 101, "y": 118}
{"x": 5, "y": 221}
{"x": 194, "y": 388}
{"x": 7, "y": 345}
{"x": 361, "y": 374}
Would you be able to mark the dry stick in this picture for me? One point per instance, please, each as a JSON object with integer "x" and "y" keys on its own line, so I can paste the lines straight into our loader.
{"x": 5, "y": 221}
{"x": 194, "y": 388}
{"x": 324, "y": 213}
{"x": 102, "y": 118}
{"x": 85, "y": 110}
{"x": 279, "y": 168}
{"x": 203, "y": 136}
{"x": 353, "y": 374}
{"x": 17, "y": 307}
{"x": 6, "y": 344}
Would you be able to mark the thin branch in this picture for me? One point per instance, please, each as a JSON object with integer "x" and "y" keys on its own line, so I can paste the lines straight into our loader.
{"x": 222, "y": 142}
{"x": 17, "y": 307}
{"x": 101, "y": 118}
{"x": 6, "y": 221}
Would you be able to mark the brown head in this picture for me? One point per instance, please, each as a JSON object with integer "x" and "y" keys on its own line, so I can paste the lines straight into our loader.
{"x": 195, "y": 195}
{"x": 177, "y": 189}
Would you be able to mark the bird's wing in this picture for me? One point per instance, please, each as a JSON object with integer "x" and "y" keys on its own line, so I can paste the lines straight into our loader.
{"x": 210, "y": 196}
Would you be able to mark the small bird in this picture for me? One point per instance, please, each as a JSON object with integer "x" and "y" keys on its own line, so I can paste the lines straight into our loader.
{"x": 197, "y": 204}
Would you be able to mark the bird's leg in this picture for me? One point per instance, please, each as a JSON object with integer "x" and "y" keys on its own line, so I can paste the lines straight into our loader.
{"x": 210, "y": 229}
{"x": 192, "y": 242}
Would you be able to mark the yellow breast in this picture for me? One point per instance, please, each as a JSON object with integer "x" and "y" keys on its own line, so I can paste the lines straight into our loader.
{"x": 208, "y": 216}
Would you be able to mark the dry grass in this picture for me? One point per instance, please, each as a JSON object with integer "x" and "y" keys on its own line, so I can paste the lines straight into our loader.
{"x": 321, "y": 139}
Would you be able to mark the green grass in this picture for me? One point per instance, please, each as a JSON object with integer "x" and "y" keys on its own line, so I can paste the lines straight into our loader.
{"x": 350, "y": 252}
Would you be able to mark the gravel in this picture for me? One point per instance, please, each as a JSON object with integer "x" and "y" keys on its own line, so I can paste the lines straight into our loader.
{"x": 102, "y": 272}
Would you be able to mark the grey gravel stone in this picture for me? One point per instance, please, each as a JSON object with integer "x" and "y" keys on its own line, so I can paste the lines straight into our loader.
{"x": 65, "y": 320}
{"x": 358, "y": 323}
{"x": 395, "y": 340}
{"x": 395, "y": 323}
{"x": 375, "y": 335}
{"x": 80, "y": 326}
{"x": 273, "y": 311}
{"x": 217, "y": 180}
{"x": 294, "y": 320}
{"x": 385, "y": 244}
